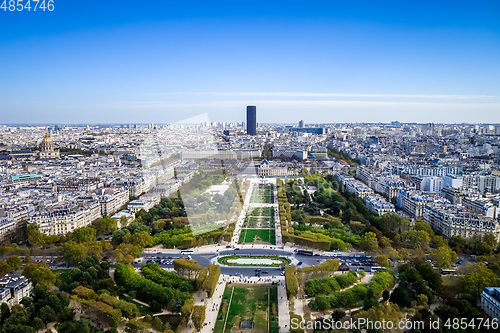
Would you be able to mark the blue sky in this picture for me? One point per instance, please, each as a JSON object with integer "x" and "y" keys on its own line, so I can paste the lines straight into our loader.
{"x": 333, "y": 61}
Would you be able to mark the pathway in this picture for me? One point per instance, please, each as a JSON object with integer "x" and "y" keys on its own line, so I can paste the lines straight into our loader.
{"x": 283, "y": 310}
{"x": 213, "y": 305}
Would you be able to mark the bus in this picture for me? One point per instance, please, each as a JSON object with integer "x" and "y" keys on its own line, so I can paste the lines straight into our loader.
{"x": 377, "y": 268}
{"x": 448, "y": 271}
{"x": 305, "y": 253}
{"x": 187, "y": 251}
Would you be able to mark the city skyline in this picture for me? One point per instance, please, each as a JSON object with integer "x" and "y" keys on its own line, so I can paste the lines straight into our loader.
{"x": 324, "y": 63}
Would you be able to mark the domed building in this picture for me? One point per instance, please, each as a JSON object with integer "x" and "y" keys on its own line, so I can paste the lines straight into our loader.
{"x": 47, "y": 148}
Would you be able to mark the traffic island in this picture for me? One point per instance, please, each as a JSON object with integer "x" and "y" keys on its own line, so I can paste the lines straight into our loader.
{"x": 260, "y": 261}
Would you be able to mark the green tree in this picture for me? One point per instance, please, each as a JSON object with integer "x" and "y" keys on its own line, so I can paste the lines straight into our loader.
{"x": 444, "y": 257}
{"x": 5, "y": 311}
{"x": 47, "y": 314}
{"x": 198, "y": 316}
{"x": 157, "y": 324}
{"x": 477, "y": 278}
{"x": 84, "y": 234}
{"x": 123, "y": 221}
{"x": 142, "y": 239}
{"x": 369, "y": 242}
{"x": 106, "y": 225}
{"x": 15, "y": 262}
{"x": 38, "y": 324}
{"x": 74, "y": 252}
{"x": 382, "y": 261}
{"x": 40, "y": 274}
{"x": 35, "y": 237}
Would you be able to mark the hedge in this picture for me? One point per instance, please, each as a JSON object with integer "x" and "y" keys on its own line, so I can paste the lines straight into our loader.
{"x": 299, "y": 320}
{"x": 198, "y": 316}
{"x": 291, "y": 282}
{"x": 211, "y": 280}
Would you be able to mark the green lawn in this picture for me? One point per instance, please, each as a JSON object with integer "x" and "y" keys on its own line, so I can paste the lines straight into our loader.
{"x": 262, "y": 194}
{"x": 258, "y": 304}
{"x": 258, "y": 236}
{"x": 259, "y": 222}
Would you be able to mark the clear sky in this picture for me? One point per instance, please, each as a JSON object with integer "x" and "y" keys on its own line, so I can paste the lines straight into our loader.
{"x": 162, "y": 61}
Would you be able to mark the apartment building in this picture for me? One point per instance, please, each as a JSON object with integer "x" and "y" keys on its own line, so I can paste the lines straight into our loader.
{"x": 365, "y": 175}
{"x": 358, "y": 188}
{"x": 13, "y": 288}
{"x": 7, "y": 227}
{"x": 481, "y": 206}
{"x": 451, "y": 220}
{"x": 112, "y": 200}
{"x": 490, "y": 302}
{"x": 64, "y": 217}
{"x": 378, "y": 204}
{"x": 389, "y": 187}
{"x": 414, "y": 202}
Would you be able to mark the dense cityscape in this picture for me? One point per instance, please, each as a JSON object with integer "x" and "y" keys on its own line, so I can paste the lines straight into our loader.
{"x": 195, "y": 213}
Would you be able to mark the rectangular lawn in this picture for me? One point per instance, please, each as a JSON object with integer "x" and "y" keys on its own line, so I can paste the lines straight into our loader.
{"x": 257, "y": 304}
{"x": 258, "y": 236}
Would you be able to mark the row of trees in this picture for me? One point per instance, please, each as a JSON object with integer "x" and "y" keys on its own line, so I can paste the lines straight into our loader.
{"x": 156, "y": 295}
{"x": 329, "y": 285}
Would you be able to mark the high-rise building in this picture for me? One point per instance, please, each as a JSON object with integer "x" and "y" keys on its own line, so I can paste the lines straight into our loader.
{"x": 251, "y": 120}
{"x": 301, "y": 124}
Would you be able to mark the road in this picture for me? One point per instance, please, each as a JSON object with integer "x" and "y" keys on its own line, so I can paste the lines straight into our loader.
{"x": 209, "y": 256}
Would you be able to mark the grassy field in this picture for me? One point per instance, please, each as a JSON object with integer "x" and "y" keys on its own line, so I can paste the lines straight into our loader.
{"x": 258, "y": 236}
{"x": 262, "y": 194}
{"x": 259, "y": 222}
{"x": 262, "y": 211}
{"x": 258, "y": 304}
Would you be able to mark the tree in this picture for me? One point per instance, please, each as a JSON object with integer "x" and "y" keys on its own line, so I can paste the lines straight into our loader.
{"x": 15, "y": 262}
{"x": 75, "y": 252}
{"x": 106, "y": 225}
{"x": 35, "y": 237}
{"x": 382, "y": 261}
{"x": 491, "y": 240}
{"x": 47, "y": 314}
{"x": 38, "y": 324}
{"x": 422, "y": 300}
{"x": 84, "y": 234}
{"x": 385, "y": 295}
{"x": 477, "y": 279}
{"x": 198, "y": 316}
{"x": 123, "y": 221}
{"x": 444, "y": 257}
{"x": 142, "y": 239}
{"x": 5, "y": 310}
{"x": 369, "y": 242}
{"x": 40, "y": 274}
{"x": 136, "y": 326}
{"x": 418, "y": 239}
{"x": 323, "y": 302}
{"x": 157, "y": 324}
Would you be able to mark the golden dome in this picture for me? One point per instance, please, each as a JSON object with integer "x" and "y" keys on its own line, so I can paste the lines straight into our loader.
{"x": 47, "y": 139}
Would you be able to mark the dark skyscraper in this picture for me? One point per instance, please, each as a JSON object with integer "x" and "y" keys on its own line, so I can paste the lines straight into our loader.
{"x": 251, "y": 120}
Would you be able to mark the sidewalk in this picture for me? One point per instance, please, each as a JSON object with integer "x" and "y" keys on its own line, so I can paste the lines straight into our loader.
{"x": 283, "y": 310}
{"x": 213, "y": 305}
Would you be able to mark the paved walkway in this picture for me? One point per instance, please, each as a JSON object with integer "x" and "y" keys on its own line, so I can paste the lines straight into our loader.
{"x": 283, "y": 309}
{"x": 213, "y": 305}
